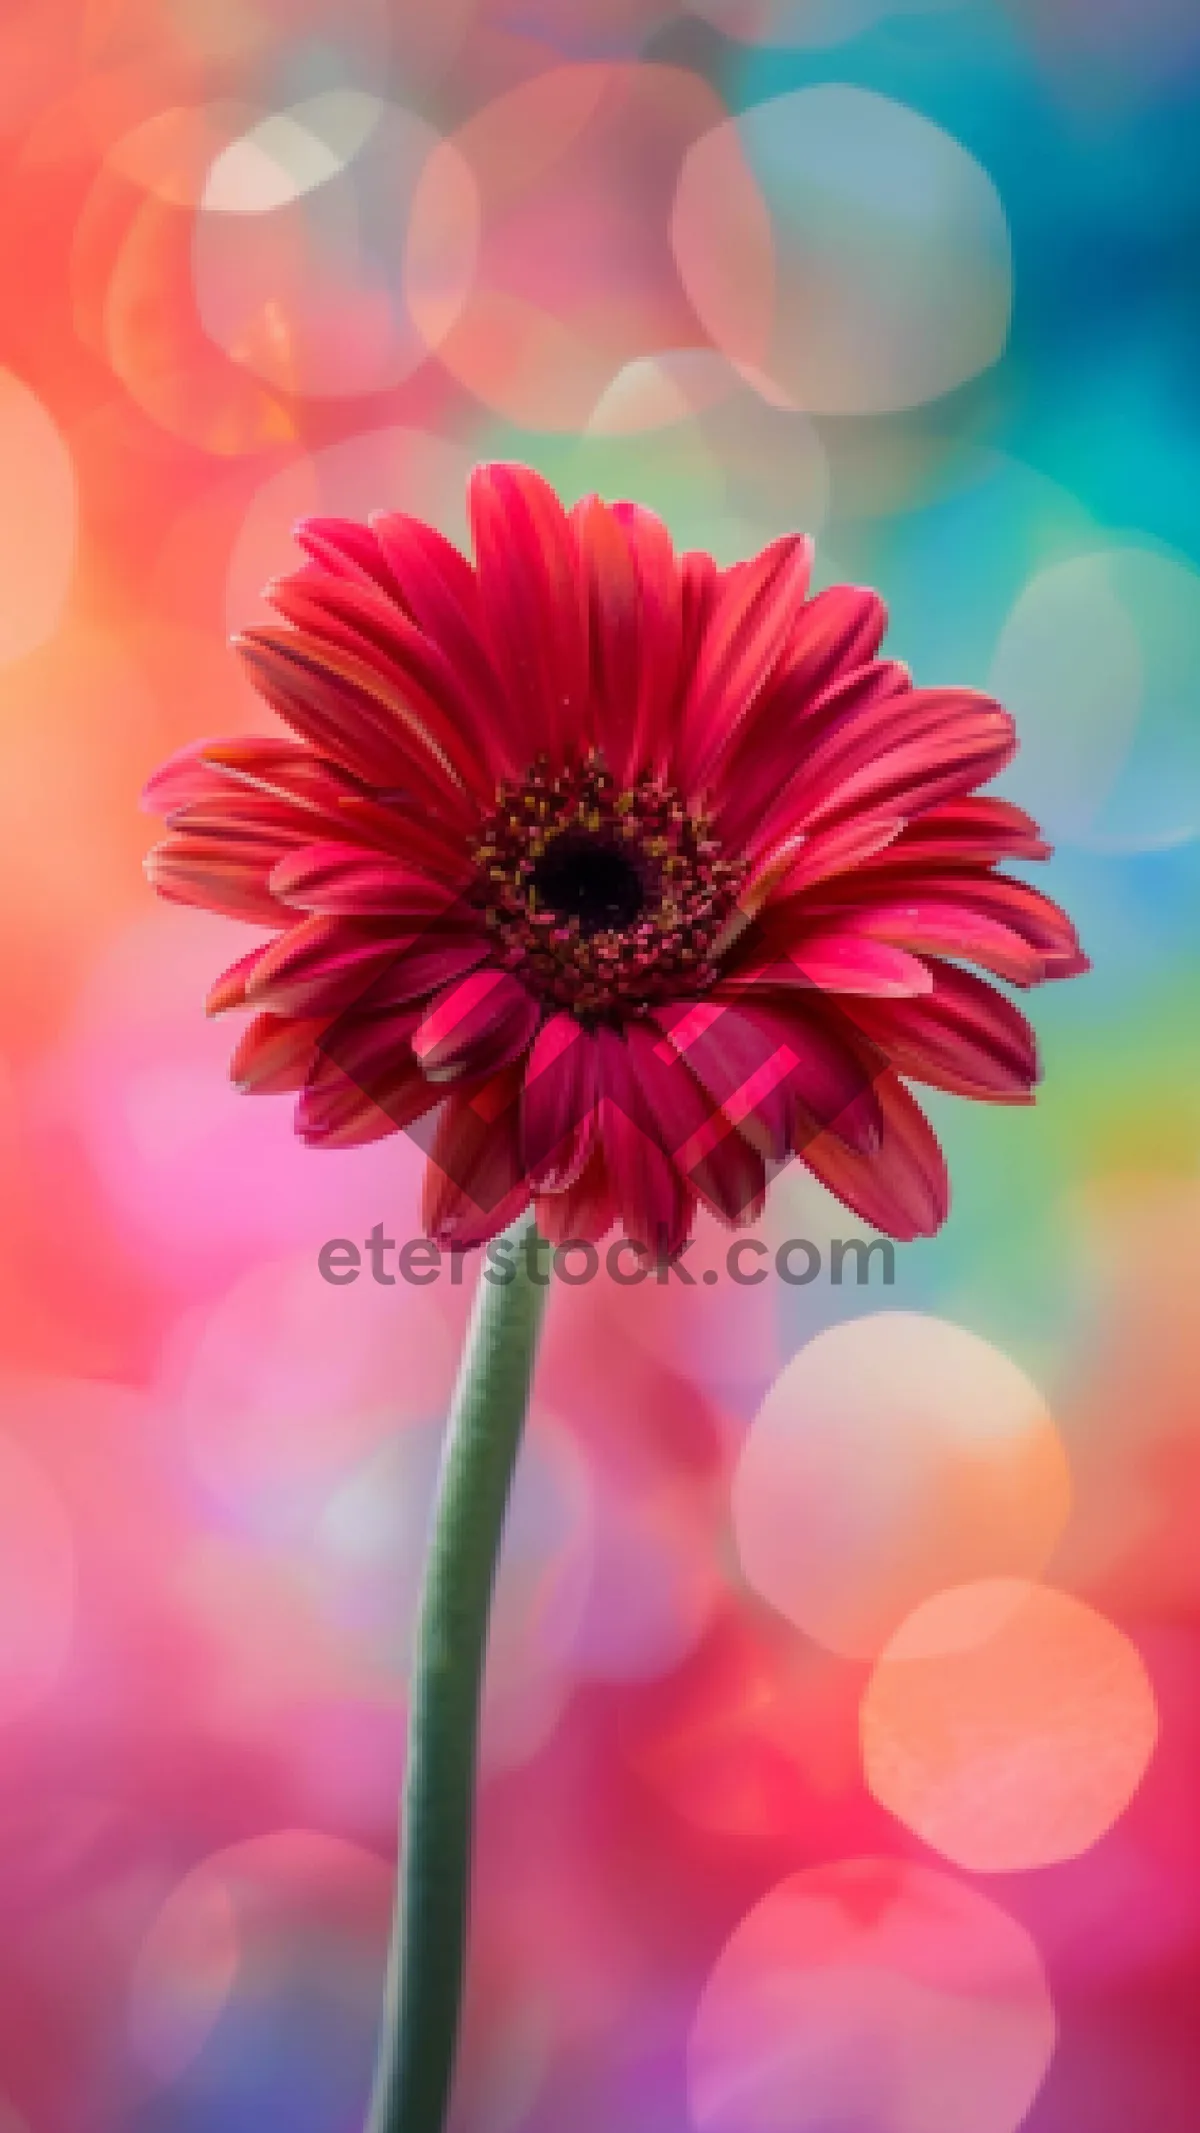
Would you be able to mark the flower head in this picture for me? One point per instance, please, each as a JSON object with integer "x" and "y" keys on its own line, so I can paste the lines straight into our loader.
{"x": 619, "y": 878}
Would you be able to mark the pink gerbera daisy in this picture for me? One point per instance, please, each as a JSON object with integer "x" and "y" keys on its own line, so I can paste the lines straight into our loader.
{"x": 621, "y": 878}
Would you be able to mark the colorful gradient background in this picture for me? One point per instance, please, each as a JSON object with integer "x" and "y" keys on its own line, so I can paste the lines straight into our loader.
{"x": 840, "y": 1765}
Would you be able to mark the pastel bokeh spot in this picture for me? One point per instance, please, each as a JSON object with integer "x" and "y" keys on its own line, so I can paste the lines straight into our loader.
{"x": 261, "y": 1964}
{"x": 534, "y": 339}
{"x": 871, "y": 1994}
{"x": 185, "y": 1971}
{"x": 1008, "y": 1724}
{"x": 894, "y": 1454}
{"x": 295, "y": 251}
{"x": 842, "y": 244}
{"x": 1100, "y": 660}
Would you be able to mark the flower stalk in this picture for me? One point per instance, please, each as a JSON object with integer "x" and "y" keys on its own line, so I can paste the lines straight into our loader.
{"x": 423, "y": 1990}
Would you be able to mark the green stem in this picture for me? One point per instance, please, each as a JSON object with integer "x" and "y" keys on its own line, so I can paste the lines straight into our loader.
{"x": 425, "y": 1965}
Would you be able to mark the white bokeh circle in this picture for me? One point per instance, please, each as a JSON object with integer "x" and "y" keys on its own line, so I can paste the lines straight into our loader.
{"x": 895, "y": 1454}
{"x": 847, "y": 248}
{"x": 876, "y": 1995}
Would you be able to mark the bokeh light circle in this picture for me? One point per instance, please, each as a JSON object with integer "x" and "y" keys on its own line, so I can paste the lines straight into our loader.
{"x": 895, "y": 1454}
{"x": 37, "y": 1582}
{"x": 567, "y": 262}
{"x": 1008, "y": 1724}
{"x": 38, "y": 521}
{"x": 297, "y": 244}
{"x": 260, "y": 1975}
{"x": 1099, "y": 663}
{"x": 873, "y": 1995}
{"x": 846, "y": 247}
{"x": 132, "y": 291}
{"x": 289, "y": 153}
{"x": 289, "y": 1381}
{"x": 184, "y": 1973}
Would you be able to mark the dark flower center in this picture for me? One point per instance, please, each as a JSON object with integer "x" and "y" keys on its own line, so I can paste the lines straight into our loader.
{"x": 582, "y": 877}
{"x": 605, "y": 899}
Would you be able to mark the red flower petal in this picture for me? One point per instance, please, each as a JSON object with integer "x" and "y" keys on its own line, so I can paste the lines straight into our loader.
{"x": 881, "y": 747}
{"x": 229, "y": 990}
{"x": 393, "y": 826}
{"x": 744, "y": 1068}
{"x": 903, "y": 1188}
{"x": 1015, "y": 904}
{"x": 558, "y": 1104}
{"x": 964, "y": 1036}
{"x": 776, "y": 789}
{"x": 937, "y": 926}
{"x": 347, "y": 710}
{"x": 653, "y": 1200}
{"x": 431, "y": 961}
{"x": 365, "y": 1083}
{"x": 346, "y": 549}
{"x": 283, "y": 785}
{"x": 804, "y": 860}
{"x": 662, "y": 628}
{"x": 285, "y": 771}
{"x": 321, "y": 965}
{"x": 343, "y": 878}
{"x": 533, "y": 604}
{"x": 474, "y": 1182}
{"x": 762, "y": 1058}
{"x": 479, "y": 1023}
{"x": 584, "y": 1211}
{"x": 275, "y": 1053}
{"x": 441, "y": 592}
{"x": 748, "y": 627}
{"x": 930, "y": 745}
{"x": 969, "y": 833}
{"x": 226, "y": 873}
{"x": 206, "y": 770}
{"x": 974, "y": 831}
{"x": 720, "y": 1163}
{"x": 835, "y": 633}
{"x": 636, "y": 622}
{"x": 666, "y": 1141}
{"x": 1003, "y": 924}
{"x": 700, "y": 582}
{"x": 832, "y": 960}
{"x": 376, "y": 633}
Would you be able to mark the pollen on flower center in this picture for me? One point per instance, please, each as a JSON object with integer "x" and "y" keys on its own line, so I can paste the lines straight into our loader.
{"x": 606, "y": 898}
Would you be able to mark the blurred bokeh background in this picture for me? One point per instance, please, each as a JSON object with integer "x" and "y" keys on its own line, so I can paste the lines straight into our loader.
{"x": 841, "y": 1745}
